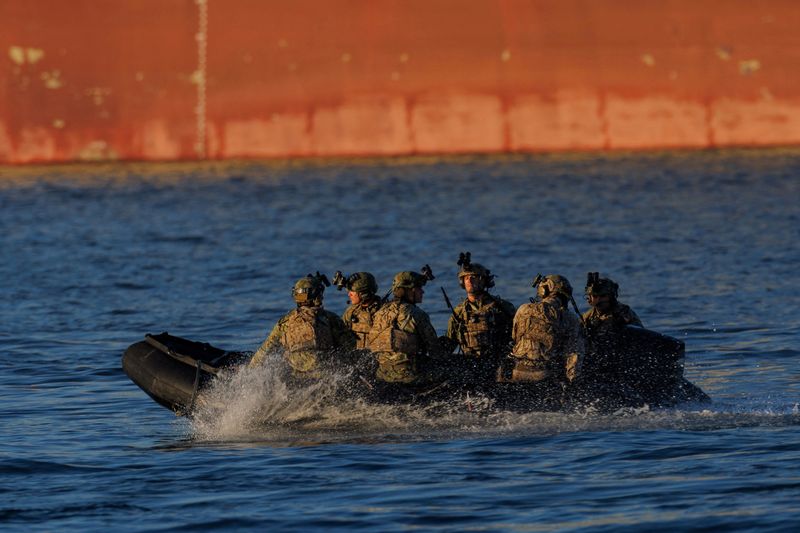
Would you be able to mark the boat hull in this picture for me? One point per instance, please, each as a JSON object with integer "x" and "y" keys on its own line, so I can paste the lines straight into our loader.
{"x": 173, "y": 371}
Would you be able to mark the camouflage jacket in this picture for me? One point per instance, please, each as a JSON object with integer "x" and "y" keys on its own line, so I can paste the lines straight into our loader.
{"x": 603, "y": 335}
{"x": 305, "y": 334}
{"x": 619, "y": 315}
{"x": 548, "y": 341}
{"x": 482, "y": 328}
{"x": 359, "y": 319}
{"x": 403, "y": 340}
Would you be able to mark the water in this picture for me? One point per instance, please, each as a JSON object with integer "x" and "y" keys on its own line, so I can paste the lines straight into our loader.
{"x": 704, "y": 246}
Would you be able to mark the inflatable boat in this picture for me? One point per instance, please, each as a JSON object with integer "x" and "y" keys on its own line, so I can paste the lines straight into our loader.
{"x": 173, "y": 371}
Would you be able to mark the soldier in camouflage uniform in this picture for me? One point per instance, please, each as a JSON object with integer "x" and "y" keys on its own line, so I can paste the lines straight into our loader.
{"x": 362, "y": 291}
{"x": 480, "y": 326}
{"x": 548, "y": 344}
{"x": 402, "y": 337}
{"x": 309, "y": 335}
{"x": 604, "y": 323}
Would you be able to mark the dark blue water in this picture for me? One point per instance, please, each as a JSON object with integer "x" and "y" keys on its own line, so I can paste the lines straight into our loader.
{"x": 704, "y": 246}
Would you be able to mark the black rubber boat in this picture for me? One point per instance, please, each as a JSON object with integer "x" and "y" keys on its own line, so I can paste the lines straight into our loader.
{"x": 648, "y": 370}
{"x": 173, "y": 371}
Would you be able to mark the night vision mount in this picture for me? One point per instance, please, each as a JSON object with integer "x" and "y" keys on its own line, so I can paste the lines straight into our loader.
{"x": 427, "y": 273}
{"x": 340, "y": 280}
{"x": 322, "y": 278}
{"x": 465, "y": 261}
{"x": 592, "y": 279}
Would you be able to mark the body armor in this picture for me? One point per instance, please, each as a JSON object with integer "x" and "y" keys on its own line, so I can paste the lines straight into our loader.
{"x": 480, "y": 335}
{"x": 394, "y": 340}
{"x": 548, "y": 342}
{"x": 359, "y": 319}
{"x": 306, "y": 332}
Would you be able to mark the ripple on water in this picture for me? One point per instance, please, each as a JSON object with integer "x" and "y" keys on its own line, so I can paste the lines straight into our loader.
{"x": 701, "y": 244}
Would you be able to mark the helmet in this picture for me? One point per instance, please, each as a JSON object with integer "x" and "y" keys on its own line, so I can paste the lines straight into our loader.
{"x": 597, "y": 286}
{"x": 362, "y": 283}
{"x": 308, "y": 290}
{"x": 408, "y": 280}
{"x": 554, "y": 284}
{"x": 476, "y": 269}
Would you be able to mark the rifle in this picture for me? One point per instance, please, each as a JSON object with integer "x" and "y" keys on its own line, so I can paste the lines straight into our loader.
{"x": 575, "y": 305}
{"x": 450, "y": 305}
{"x": 459, "y": 323}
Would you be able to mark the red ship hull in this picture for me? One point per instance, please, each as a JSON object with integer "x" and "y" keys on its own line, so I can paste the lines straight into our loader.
{"x": 201, "y": 79}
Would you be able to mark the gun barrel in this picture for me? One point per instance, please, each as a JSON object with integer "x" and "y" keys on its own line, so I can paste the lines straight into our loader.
{"x": 450, "y": 305}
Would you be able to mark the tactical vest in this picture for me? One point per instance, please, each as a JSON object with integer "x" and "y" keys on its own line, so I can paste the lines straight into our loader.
{"x": 479, "y": 330}
{"x": 361, "y": 323}
{"x": 306, "y": 332}
{"x": 395, "y": 348}
{"x": 540, "y": 349}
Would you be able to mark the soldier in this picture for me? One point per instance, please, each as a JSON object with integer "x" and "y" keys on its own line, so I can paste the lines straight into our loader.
{"x": 548, "y": 343}
{"x": 607, "y": 313}
{"x": 402, "y": 337}
{"x": 604, "y": 323}
{"x": 362, "y": 291}
{"x": 308, "y": 334}
{"x": 480, "y": 325}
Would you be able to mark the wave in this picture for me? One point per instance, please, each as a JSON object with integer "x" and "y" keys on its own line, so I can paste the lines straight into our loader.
{"x": 257, "y": 405}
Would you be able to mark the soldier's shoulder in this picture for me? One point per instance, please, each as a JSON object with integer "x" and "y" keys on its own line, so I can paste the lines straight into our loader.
{"x": 348, "y": 313}
{"x": 289, "y": 314}
{"x": 461, "y": 307}
{"x": 529, "y": 308}
{"x": 551, "y": 308}
{"x": 417, "y": 313}
{"x": 388, "y": 309}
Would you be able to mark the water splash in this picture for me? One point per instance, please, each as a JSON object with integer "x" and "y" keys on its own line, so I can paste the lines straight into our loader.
{"x": 257, "y": 405}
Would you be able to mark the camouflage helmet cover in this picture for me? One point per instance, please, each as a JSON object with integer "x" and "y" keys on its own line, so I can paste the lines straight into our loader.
{"x": 362, "y": 283}
{"x": 554, "y": 284}
{"x": 597, "y": 286}
{"x": 475, "y": 269}
{"x": 408, "y": 280}
{"x": 307, "y": 289}
{"x": 468, "y": 268}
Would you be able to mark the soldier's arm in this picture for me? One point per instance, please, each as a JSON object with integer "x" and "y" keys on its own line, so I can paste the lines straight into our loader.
{"x": 452, "y": 328}
{"x": 451, "y": 340}
{"x": 343, "y": 336}
{"x": 427, "y": 334}
{"x": 272, "y": 341}
{"x": 575, "y": 354}
{"x": 517, "y": 327}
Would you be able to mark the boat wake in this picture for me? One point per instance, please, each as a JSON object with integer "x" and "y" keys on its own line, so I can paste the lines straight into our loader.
{"x": 257, "y": 405}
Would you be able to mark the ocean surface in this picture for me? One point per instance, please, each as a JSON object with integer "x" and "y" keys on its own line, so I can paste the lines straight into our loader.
{"x": 704, "y": 246}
